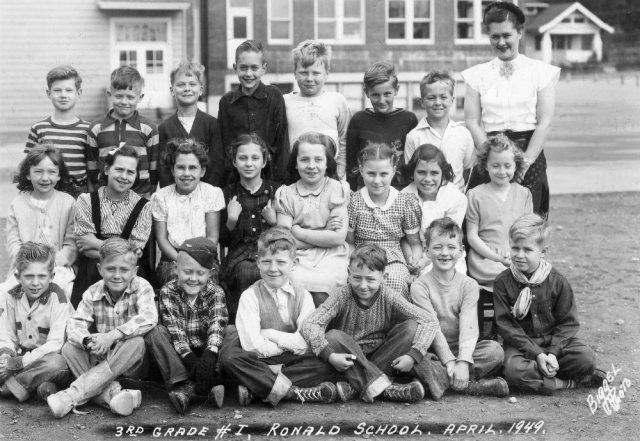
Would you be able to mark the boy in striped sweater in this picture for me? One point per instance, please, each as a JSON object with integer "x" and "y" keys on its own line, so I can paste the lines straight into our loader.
{"x": 64, "y": 129}
{"x": 376, "y": 334}
{"x": 124, "y": 125}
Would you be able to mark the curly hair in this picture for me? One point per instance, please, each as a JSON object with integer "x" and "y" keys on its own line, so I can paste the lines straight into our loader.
{"x": 428, "y": 153}
{"x": 314, "y": 138}
{"x": 127, "y": 151}
{"x": 34, "y": 157}
{"x": 187, "y": 146}
{"x": 498, "y": 143}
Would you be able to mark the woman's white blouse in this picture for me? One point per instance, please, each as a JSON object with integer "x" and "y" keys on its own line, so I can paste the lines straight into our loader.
{"x": 510, "y": 103}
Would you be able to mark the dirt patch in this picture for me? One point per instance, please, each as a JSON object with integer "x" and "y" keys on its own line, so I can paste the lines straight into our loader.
{"x": 595, "y": 244}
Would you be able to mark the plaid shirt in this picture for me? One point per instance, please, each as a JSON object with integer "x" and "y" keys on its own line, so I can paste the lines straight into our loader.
{"x": 133, "y": 314}
{"x": 196, "y": 326}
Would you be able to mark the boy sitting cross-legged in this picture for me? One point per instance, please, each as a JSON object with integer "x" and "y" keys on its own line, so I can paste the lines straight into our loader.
{"x": 122, "y": 309}
{"x": 33, "y": 318}
{"x": 462, "y": 361}
{"x": 376, "y": 333}
{"x": 266, "y": 354}
{"x": 194, "y": 310}
{"x": 537, "y": 316}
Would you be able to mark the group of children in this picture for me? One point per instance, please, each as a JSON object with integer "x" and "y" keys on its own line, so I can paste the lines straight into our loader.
{"x": 344, "y": 274}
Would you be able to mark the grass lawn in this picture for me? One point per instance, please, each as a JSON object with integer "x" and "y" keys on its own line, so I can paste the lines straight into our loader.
{"x": 595, "y": 244}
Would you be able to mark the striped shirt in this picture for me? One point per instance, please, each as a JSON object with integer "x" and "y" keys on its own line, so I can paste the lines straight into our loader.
{"x": 113, "y": 216}
{"x": 70, "y": 139}
{"x": 197, "y": 326}
{"x": 138, "y": 132}
{"x": 134, "y": 313}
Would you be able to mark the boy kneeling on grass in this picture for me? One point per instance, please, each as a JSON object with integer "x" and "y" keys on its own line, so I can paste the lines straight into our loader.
{"x": 33, "y": 319}
{"x": 194, "y": 310}
{"x": 266, "y": 353}
{"x": 460, "y": 361}
{"x": 376, "y": 333}
{"x": 119, "y": 310}
{"x": 537, "y": 317}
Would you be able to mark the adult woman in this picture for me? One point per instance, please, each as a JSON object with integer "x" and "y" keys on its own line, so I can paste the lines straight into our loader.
{"x": 515, "y": 95}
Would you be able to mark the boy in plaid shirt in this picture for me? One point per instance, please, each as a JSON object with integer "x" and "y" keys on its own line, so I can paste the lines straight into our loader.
{"x": 105, "y": 334}
{"x": 194, "y": 311}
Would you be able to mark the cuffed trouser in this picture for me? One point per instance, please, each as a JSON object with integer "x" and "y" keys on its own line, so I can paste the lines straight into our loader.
{"x": 574, "y": 360}
{"x": 95, "y": 374}
{"x": 158, "y": 345}
{"x": 51, "y": 367}
{"x": 256, "y": 374}
{"x": 488, "y": 357}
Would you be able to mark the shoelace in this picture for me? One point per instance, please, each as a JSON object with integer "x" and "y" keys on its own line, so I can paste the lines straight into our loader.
{"x": 401, "y": 392}
{"x": 299, "y": 395}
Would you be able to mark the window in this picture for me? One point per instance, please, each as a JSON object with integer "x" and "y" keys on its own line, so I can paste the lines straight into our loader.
{"x": 340, "y": 21}
{"x": 409, "y": 21}
{"x": 468, "y": 21}
{"x": 560, "y": 42}
{"x": 538, "y": 42}
{"x": 280, "y": 21}
{"x": 587, "y": 42}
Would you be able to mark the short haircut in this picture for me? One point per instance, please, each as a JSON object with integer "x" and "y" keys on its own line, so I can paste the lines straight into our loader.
{"x": 64, "y": 73}
{"x": 127, "y": 151}
{"x": 376, "y": 150}
{"x": 190, "y": 69}
{"x": 277, "y": 239}
{"x": 126, "y": 77}
{"x": 31, "y": 252}
{"x": 250, "y": 46}
{"x": 370, "y": 255}
{"x": 428, "y": 153}
{"x": 501, "y": 11}
{"x": 442, "y": 227}
{"x": 187, "y": 146}
{"x": 330, "y": 151}
{"x": 530, "y": 226}
{"x": 309, "y": 51}
{"x": 498, "y": 143}
{"x": 378, "y": 73}
{"x": 33, "y": 158}
{"x": 434, "y": 76}
{"x": 116, "y": 247}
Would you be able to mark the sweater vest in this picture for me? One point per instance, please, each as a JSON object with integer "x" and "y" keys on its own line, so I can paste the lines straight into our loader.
{"x": 269, "y": 316}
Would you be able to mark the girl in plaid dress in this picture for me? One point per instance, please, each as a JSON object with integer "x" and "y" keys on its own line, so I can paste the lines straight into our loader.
{"x": 249, "y": 212}
{"x": 380, "y": 214}
{"x": 315, "y": 209}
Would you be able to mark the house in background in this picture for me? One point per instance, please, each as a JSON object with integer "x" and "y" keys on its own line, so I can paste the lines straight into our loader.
{"x": 563, "y": 33}
{"x": 95, "y": 36}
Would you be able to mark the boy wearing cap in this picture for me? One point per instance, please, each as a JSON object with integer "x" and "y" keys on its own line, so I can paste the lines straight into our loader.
{"x": 193, "y": 311}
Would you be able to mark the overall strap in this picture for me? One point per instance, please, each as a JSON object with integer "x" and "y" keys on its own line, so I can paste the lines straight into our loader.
{"x": 95, "y": 213}
{"x": 133, "y": 217}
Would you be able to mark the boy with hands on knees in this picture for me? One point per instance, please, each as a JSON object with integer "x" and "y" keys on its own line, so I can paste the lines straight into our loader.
{"x": 194, "y": 310}
{"x": 33, "y": 319}
{"x": 120, "y": 308}
{"x": 461, "y": 362}
{"x": 538, "y": 318}
{"x": 266, "y": 354}
{"x": 376, "y": 333}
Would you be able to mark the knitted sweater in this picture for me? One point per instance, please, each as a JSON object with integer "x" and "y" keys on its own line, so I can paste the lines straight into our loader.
{"x": 455, "y": 305}
{"x": 368, "y": 325}
{"x": 24, "y": 219}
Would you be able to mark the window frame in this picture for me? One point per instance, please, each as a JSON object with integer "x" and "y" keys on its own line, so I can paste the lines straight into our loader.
{"x": 340, "y": 20}
{"x": 408, "y": 23}
{"x": 289, "y": 40}
{"x": 478, "y": 37}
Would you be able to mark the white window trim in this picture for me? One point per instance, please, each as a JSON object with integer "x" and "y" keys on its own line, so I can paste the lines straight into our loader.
{"x": 340, "y": 20}
{"x": 478, "y": 38}
{"x": 409, "y": 25}
{"x": 150, "y": 45}
{"x": 280, "y": 40}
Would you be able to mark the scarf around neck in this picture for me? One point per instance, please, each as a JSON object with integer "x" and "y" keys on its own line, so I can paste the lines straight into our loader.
{"x": 523, "y": 302}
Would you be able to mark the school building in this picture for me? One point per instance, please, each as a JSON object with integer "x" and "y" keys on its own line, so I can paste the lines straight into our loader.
{"x": 96, "y": 36}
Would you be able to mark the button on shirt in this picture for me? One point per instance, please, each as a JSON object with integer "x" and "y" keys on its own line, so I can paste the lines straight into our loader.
{"x": 134, "y": 313}
{"x": 33, "y": 330}
{"x": 255, "y": 339}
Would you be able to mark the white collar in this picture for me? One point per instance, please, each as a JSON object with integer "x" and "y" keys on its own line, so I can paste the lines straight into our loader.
{"x": 287, "y": 288}
{"x": 424, "y": 124}
{"x": 393, "y": 195}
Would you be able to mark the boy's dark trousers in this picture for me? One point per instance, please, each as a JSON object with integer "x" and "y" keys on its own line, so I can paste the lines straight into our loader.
{"x": 574, "y": 360}
{"x": 256, "y": 374}
{"x": 370, "y": 374}
{"x": 158, "y": 345}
